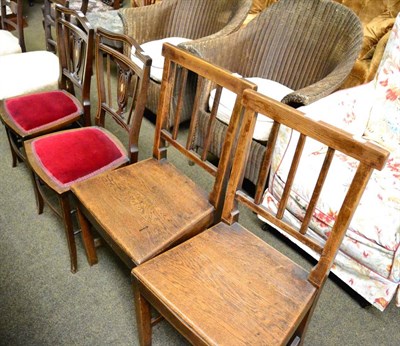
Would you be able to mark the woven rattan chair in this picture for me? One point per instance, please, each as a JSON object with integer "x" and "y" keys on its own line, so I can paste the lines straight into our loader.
{"x": 193, "y": 19}
{"x": 308, "y": 46}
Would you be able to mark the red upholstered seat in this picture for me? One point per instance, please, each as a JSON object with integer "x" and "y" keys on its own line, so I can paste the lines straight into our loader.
{"x": 32, "y": 113}
{"x": 78, "y": 154}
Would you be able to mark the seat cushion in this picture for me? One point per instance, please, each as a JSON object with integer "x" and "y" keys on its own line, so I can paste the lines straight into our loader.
{"x": 35, "y": 112}
{"x": 70, "y": 156}
{"x": 94, "y": 6}
{"x": 267, "y": 87}
{"x": 8, "y": 43}
{"x": 109, "y": 20}
{"x": 230, "y": 287}
{"x": 27, "y": 73}
{"x": 154, "y": 49}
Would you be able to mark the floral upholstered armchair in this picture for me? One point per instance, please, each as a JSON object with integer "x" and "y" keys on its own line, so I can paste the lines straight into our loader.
{"x": 369, "y": 257}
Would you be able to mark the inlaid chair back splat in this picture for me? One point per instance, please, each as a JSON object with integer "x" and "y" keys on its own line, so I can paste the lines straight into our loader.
{"x": 226, "y": 286}
{"x": 146, "y": 208}
{"x": 121, "y": 86}
{"x": 76, "y": 44}
{"x": 7, "y": 22}
{"x": 60, "y": 159}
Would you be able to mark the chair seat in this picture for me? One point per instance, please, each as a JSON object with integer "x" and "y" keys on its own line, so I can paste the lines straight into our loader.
{"x": 65, "y": 157}
{"x": 9, "y": 44}
{"x": 145, "y": 218}
{"x": 25, "y": 79}
{"x": 270, "y": 293}
{"x": 35, "y": 113}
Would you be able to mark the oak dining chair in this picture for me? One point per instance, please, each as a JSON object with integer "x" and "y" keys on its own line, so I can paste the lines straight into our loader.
{"x": 146, "y": 208}
{"x": 59, "y": 159}
{"x": 226, "y": 286}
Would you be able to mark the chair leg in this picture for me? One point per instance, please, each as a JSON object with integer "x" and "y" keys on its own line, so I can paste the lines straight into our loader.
{"x": 15, "y": 158}
{"x": 143, "y": 316}
{"x": 87, "y": 238}
{"x": 69, "y": 230}
{"x": 38, "y": 195}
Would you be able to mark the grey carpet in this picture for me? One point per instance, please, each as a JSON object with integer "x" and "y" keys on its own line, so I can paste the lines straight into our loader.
{"x": 42, "y": 303}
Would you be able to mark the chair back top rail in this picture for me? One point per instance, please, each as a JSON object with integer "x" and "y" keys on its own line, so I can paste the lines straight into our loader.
{"x": 178, "y": 63}
{"x": 123, "y": 98}
{"x": 368, "y": 155}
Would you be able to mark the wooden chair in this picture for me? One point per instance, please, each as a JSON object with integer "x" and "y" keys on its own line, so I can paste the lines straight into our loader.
{"x": 226, "y": 286}
{"x": 60, "y": 159}
{"x": 35, "y": 114}
{"x": 146, "y": 208}
{"x": 11, "y": 21}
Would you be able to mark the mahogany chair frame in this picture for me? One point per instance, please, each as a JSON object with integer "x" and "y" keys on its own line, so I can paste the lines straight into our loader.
{"x": 126, "y": 110}
{"x": 165, "y": 206}
{"x": 17, "y": 23}
{"x": 227, "y": 271}
{"x": 49, "y": 22}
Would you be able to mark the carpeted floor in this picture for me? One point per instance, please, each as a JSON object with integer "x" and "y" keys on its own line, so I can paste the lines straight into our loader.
{"x": 42, "y": 303}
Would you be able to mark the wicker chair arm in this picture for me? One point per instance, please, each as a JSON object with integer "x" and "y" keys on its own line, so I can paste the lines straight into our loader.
{"x": 320, "y": 89}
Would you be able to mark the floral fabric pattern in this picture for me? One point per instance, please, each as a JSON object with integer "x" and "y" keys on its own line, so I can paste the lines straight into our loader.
{"x": 369, "y": 256}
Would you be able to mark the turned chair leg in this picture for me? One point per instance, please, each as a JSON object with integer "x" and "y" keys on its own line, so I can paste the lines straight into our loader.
{"x": 143, "y": 317}
{"x": 87, "y": 238}
{"x": 69, "y": 230}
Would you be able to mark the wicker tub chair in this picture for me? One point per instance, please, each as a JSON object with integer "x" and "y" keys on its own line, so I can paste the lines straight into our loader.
{"x": 309, "y": 46}
{"x": 197, "y": 20}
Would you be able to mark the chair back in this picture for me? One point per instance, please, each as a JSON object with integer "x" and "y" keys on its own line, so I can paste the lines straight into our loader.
{"x": 124, "y": 100}
{"x": 75, "y": 42}
{"x": 199, "y": 18}
{"x": 298, "y": 43}
{"x": 49, "y": 22}
{"x": 178, "y": 65}
{"x": 13, "y": 20}
{"x": 366, "y": 157}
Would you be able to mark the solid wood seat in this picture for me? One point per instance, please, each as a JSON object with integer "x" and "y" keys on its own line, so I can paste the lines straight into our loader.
{"x": 240, "y": 276}
{"x": 225, "y": 286}
{"x": 141, "y": 225}
{"x": 148, "y": 208}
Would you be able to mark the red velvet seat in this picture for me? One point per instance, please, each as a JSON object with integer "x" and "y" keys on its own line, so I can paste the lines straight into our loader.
{"x": 35, "y": 113}
{"x": 28, "y": 116}
{"x": 74, "y": 155}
